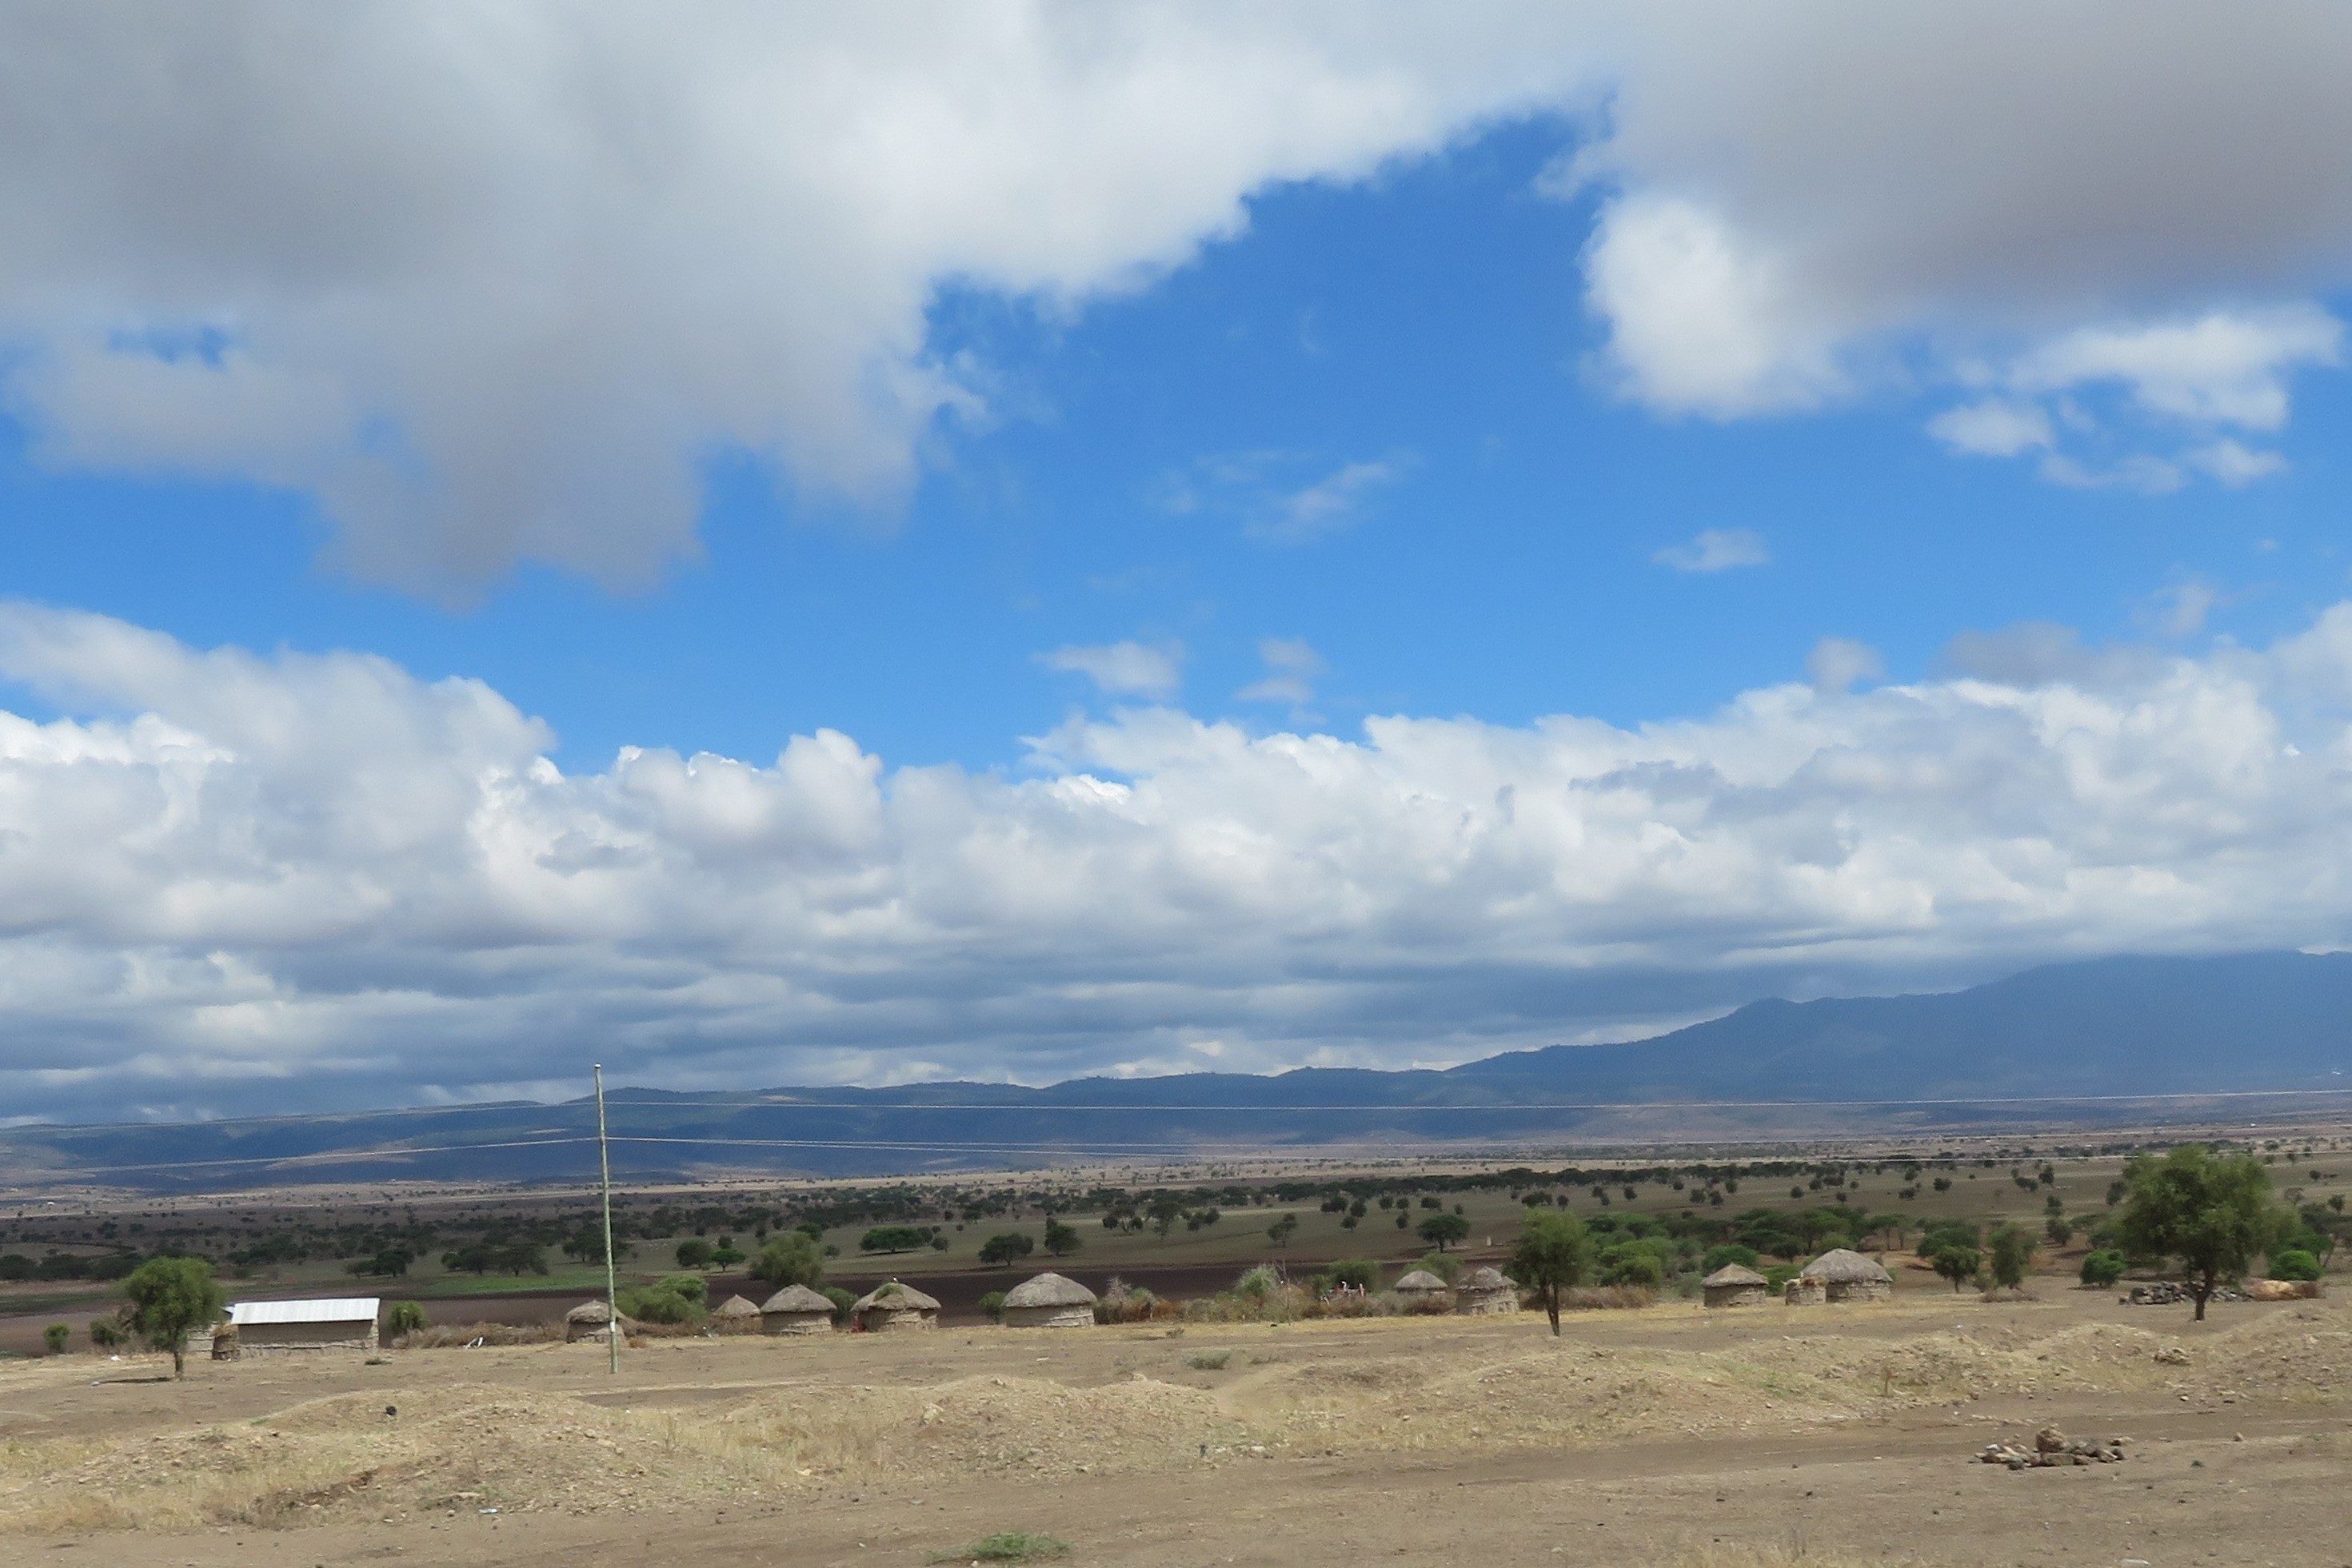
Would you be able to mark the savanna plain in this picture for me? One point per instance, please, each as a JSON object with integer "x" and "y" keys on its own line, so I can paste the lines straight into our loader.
{"x": 1667, "y": 1433}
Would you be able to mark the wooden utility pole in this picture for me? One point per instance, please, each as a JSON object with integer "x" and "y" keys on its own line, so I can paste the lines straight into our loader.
{"x": 611, "y": 1295}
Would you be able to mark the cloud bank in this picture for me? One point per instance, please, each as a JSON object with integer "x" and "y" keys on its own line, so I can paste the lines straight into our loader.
{"x": 229, "y": 881}
{"x": 490, "y": 284}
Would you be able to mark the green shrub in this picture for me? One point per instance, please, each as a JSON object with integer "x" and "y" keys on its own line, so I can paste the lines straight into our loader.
{"x": 2102, "y": 1268}
{"x": 1355, "y": 1273}
{"x": 403, "y": 1317}
{"x": 1777, "y": 1278}
{"x": 1007, "y": 1546}
{"x": 842, "y": 1301}
{"x": 1444, "y": 1265}
{"x": 56, "y": 1336}
{"x": 992, "y": 1306}
{"x": 790, "y": 1259}
{"x": 694, "y": 1254}
{"x": 692, "y": 1287}
{"x": 2294, "y": 1264}
{"x": 1730, "y": 1253}
{"x": 109, "y": 1333}
{"x": 1259, "y": 1283}
{"x": 1209, "y": 1360}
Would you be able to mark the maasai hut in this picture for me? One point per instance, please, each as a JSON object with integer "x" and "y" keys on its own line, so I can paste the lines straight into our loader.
{"x": 1845, "y": 1275}
{"x": 893, "y": 1306}
{"x": 281, "y": 1328}
{"x": 1422, "y": 1292}
{"x": 589, "y": 1319}
{"x": 1486, "y": 1292}
{"x": 1735, "y": 1285}
{"x": 1049, "y": 1302}
{"x": 796, "y": 1308}
{"x": 735, "y": 1315}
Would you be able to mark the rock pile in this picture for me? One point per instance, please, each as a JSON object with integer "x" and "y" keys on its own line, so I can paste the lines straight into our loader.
{"x": 2165, "y": 1294}
{"x": 2051, "y": 1448}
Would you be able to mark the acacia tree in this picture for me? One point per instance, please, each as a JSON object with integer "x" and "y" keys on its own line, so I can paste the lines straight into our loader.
{"x": 2010, "y": 1251}
{"x": 172, "y": 1298}
{"x": 1958, "y": 1261}
{"x": 1440, "y": 1229}
{"x": 1553, "y": 1256}
{"x": 790, "y": 1259}
{"x": 2213, "y": 1213}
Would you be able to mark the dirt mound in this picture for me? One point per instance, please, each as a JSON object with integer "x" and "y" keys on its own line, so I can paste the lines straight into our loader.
{"x": 986, "y": 1424}
{"x": 447, "y": 1449}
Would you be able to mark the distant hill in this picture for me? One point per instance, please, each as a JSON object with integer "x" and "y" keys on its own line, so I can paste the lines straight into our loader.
{"x": 2110, "y": 1028}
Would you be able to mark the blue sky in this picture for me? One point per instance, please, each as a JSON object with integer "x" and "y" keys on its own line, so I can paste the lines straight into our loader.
{"x": 1428, "y": 322}
{"x": 1427, "y": 540}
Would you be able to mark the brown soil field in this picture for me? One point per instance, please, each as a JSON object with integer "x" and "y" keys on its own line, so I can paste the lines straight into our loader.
{"x": 1669, "y": 1435}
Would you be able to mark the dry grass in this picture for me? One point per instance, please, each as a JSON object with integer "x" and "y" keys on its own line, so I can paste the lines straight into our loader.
{"x": 462, "y": 1336}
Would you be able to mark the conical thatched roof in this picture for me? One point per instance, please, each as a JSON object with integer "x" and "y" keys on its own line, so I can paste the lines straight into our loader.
{"x": 1420, "y": 1282}
{"x": 1845, "y": 1264}
{"x": 796, "y": 1299}
{"x": 895, "y": 1295}
{"x": 1734, "y": 1274}
{"x": 735, "y": 1307}
{"x": 588, "y": 1312}
{"x": 1488, "y": 1278}
{"x": 1049, "y": 1290}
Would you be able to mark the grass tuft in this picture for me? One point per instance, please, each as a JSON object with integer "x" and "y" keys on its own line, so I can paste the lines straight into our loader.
{"x": 1209, "y": 1360}
{"x": 1008, "y": 1546}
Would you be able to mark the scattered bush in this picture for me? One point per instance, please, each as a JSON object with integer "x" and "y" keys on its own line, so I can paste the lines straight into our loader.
{"x": 109, "y": 1333}
{"x": 992, "y": 1306}
{"x": 451, "y": 1336}
{"x": 2102, "y": 1268}
{"x": 694, "y": 1254}
{"x": 1209, "y": 1360}
{"x": 1730, "y": 1252}
{"x": 1121, "y": 1302}
{"x": 55, "y": 1337}
{"x": 2292, "y": 1264}
{"x": 402, "y": 1318}
{"x": 792, "y": 1259}
{"x": 842, "y": 1301}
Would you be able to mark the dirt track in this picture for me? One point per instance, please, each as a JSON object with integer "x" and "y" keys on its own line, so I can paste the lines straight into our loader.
{"x": 1663, "y": 1435}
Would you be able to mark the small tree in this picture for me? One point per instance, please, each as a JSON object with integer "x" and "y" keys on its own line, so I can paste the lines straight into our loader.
{"x": 2010, "y": 1253}
{"x": 1282, "y": 1230}
{"x": 1958, "y": 1262}
{"x": 402, "y": 1318}
{"x": 790, "y": 1259}
{"x": 172, "y": 1298}
{"x": 1061, "y": 1239}
{"x": 1009, "y": 1248}
{"x": 992, "y": 1306}
{"x": 1439, "y": 1230}
{"x": 726, "y": 1255}
{"x": 56, "y": 1336}
{"x": 1552, "y": 1257}
{"x": 2214, "y": 1214}
{"x": 693, "y": 1253}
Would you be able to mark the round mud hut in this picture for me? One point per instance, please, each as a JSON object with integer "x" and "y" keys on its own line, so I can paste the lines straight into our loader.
{"x": 1422, "y": 1292}
{"x": 736, "y": 1315}
{"x": 795, "y": 1309}
{"x": 1486, "y": 1292}
{"x": 1049, "y": 1302}
{"x": 888, "y": 1307}
{"x": 1735, "y": 1285}
{"x": 1845, "y": 1275}
{"x": 589, "y": 1319}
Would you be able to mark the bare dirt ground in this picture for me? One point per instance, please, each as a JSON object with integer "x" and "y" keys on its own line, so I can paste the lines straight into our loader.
{"x": 1669, "y": 1435}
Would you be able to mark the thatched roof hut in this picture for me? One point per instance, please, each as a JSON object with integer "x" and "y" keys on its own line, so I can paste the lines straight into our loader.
{"x": 736, "y": 1315}
{"x": 1845, "y": 1275}
{"x": 589, "y": 1319}
{"x": 891, "y": 1306}
{"x": 1421, "y": 1283}
{"x": 1049, "y": 1302}
{"x": 1485, "y": 1292}
{"x": 795, "y": 1309}
{"x": 1735, "y": 1285}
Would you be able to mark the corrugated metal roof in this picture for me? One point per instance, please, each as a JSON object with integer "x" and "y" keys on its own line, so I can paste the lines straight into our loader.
{"x": 327, "y": 1310}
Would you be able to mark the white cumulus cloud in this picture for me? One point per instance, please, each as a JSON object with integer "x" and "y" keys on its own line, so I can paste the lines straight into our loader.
{"x": 1717, "y": 550}
{"x": 303, "y": 878}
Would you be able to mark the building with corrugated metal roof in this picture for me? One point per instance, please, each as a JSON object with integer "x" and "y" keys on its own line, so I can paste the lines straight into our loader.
{"x": 276, "y": 1328}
